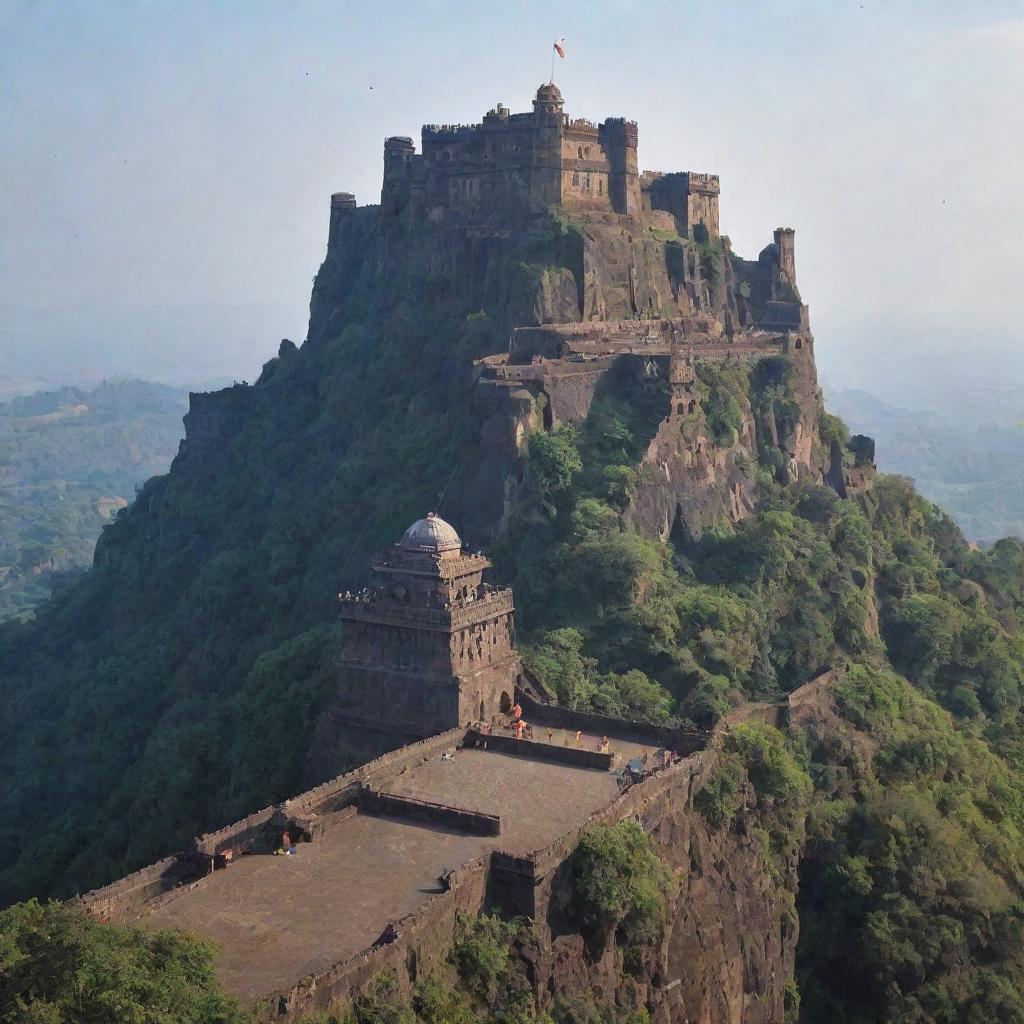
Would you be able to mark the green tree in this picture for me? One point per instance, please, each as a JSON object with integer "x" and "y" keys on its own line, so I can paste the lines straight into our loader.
{"x": 620, "y": 880}
{"x": 59, "y": 966}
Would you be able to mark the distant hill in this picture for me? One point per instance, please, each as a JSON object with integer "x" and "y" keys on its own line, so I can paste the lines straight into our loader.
{"x": 70, "y": 460}
{"x": 970, "y": 460}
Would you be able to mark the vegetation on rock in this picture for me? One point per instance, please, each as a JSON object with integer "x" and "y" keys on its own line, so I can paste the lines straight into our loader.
{"x": 619, "y": 880}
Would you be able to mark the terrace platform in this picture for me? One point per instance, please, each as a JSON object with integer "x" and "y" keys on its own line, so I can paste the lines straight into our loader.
{"x": 277, "y": 919}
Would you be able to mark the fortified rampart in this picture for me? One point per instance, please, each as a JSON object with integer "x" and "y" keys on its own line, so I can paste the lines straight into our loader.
{"x": 565, "y": 363}
{"x": 521, "y": 885}
{"x": 397, "y": 788}
{"x": 509, "y": 165}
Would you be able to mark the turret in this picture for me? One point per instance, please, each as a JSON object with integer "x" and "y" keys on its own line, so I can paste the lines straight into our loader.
{"x": 618, "y": 138}
{"x": 398, "y": 154}
{"x": 787, "y": 254}
{"x": 342, "y": 205}
{"x": 548, "y": 124}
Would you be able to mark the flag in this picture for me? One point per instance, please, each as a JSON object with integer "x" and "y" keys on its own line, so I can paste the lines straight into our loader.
{"x": 560, "y": 47}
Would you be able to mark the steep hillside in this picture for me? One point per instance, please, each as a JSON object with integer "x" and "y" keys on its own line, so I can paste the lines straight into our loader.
{"x": 69, "y": 461}
{"x": 188, "y": 667}
{"x": 669, "y": 559}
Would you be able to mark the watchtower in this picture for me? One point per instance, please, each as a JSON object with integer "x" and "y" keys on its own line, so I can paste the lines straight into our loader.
{"x": 342, "y": 205}
{"x": 619, "y": 139}
{"x": 785, "y": 241}
{"x": 398, "y": 155}
{"x": 431, "y": 647}
{"x": 546, "y": 176}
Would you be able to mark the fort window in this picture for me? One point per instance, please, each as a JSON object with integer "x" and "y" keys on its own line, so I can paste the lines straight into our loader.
{"x": 575, "y": 178}
{"x": 579, "y": 152}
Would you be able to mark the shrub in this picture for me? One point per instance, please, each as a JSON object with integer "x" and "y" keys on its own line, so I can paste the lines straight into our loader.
{"x": 620, "y": 880}
{"x": 482, "y": 952}
{"x": 719, "y": 799}
{"x": 555, "y": 459}
{"x": 770, "y": 765}
{"x": 59, "y": 966}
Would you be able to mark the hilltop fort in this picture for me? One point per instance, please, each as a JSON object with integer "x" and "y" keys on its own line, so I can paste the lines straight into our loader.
{"x": 510, "y": 164}
{"x": 598, "y": 278}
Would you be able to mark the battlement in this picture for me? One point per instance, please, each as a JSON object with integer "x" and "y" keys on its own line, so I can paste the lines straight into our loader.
{"x": 619, "y": 126}
{"x": 707, "y": 183}
{"x": 519, "y": 164}
{"x": 343, "y": 201}
{"x": 581, "y": 126}
{"x": 452, "y": 129}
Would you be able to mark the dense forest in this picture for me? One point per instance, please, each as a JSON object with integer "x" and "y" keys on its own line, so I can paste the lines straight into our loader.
{"x": 70, "y": 460}
{"x": 205, "y": 632}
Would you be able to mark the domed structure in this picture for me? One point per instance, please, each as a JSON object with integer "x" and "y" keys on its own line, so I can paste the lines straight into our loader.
{"x": 429, "y": 647}
{"x": 549, "y": 93}
{"x": 431, "y": 534}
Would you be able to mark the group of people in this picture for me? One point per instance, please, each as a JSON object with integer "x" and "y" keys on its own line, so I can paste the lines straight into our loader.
{"x": 522, "y": 730}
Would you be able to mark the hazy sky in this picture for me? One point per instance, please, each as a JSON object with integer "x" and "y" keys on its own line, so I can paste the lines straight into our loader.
{"x": 161, "y": 155}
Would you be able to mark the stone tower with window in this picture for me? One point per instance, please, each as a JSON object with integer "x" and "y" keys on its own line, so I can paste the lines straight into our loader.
{"x": 430, "y": 648}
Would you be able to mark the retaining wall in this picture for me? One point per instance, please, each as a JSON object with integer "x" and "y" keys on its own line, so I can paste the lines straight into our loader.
{"x": 129, "y": 896}
{"x": 603, "y": 725}
{"x": 477, "y": 823}
{"x": 410, "y": 946}
{"x": 540, "y": 751}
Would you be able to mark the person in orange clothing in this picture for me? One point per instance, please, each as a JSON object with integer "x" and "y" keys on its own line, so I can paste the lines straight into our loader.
{"x": 517, "y": 712}
{"x": 579, "y": 738}
{"x": 518, "y": 728}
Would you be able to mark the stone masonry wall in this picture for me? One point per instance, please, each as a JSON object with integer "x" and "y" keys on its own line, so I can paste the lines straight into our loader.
{"x": 739, "y": 982}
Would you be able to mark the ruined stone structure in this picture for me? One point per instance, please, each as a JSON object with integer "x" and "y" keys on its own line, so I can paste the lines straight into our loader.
{"x": 428, "y": 649}
{"x": 513, "y": 164}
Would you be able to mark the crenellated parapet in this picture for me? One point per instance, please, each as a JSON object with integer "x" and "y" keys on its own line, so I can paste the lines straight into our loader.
{"x": 511, "y": 165}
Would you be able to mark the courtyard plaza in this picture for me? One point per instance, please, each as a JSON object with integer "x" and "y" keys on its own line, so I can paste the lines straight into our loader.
{"x": 275, "y": 919}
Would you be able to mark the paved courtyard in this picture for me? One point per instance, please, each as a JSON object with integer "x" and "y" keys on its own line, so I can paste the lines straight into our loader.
{"x": 276, "y": 919}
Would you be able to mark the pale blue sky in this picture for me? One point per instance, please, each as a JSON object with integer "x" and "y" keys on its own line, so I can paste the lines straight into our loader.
{"x": 181, "y": 154}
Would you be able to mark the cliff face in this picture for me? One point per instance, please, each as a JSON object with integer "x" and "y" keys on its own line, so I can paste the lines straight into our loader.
{"x": 725, "y": 955}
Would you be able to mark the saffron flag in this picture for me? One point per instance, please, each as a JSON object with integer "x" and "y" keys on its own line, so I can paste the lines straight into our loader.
{"x": 560, "y": 47}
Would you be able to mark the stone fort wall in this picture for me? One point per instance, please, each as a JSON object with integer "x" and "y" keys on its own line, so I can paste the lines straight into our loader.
{"x": 513, "y": 164}
{"x": 414, "y": 944}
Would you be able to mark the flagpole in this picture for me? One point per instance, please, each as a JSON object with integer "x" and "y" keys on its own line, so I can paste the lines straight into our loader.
{"x": 552, "y": 82}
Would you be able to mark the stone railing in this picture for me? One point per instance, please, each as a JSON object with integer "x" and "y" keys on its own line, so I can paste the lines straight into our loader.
{"x": 671, "y": 737}
{"x": 539, "y": 751}
{"x": 401, "y": 805}
{"x": 385, "y": 612}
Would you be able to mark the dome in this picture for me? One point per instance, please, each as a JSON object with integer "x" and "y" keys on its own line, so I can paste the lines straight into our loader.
{"x": 549, "y": 93}
{"x": 431, "y": 534}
